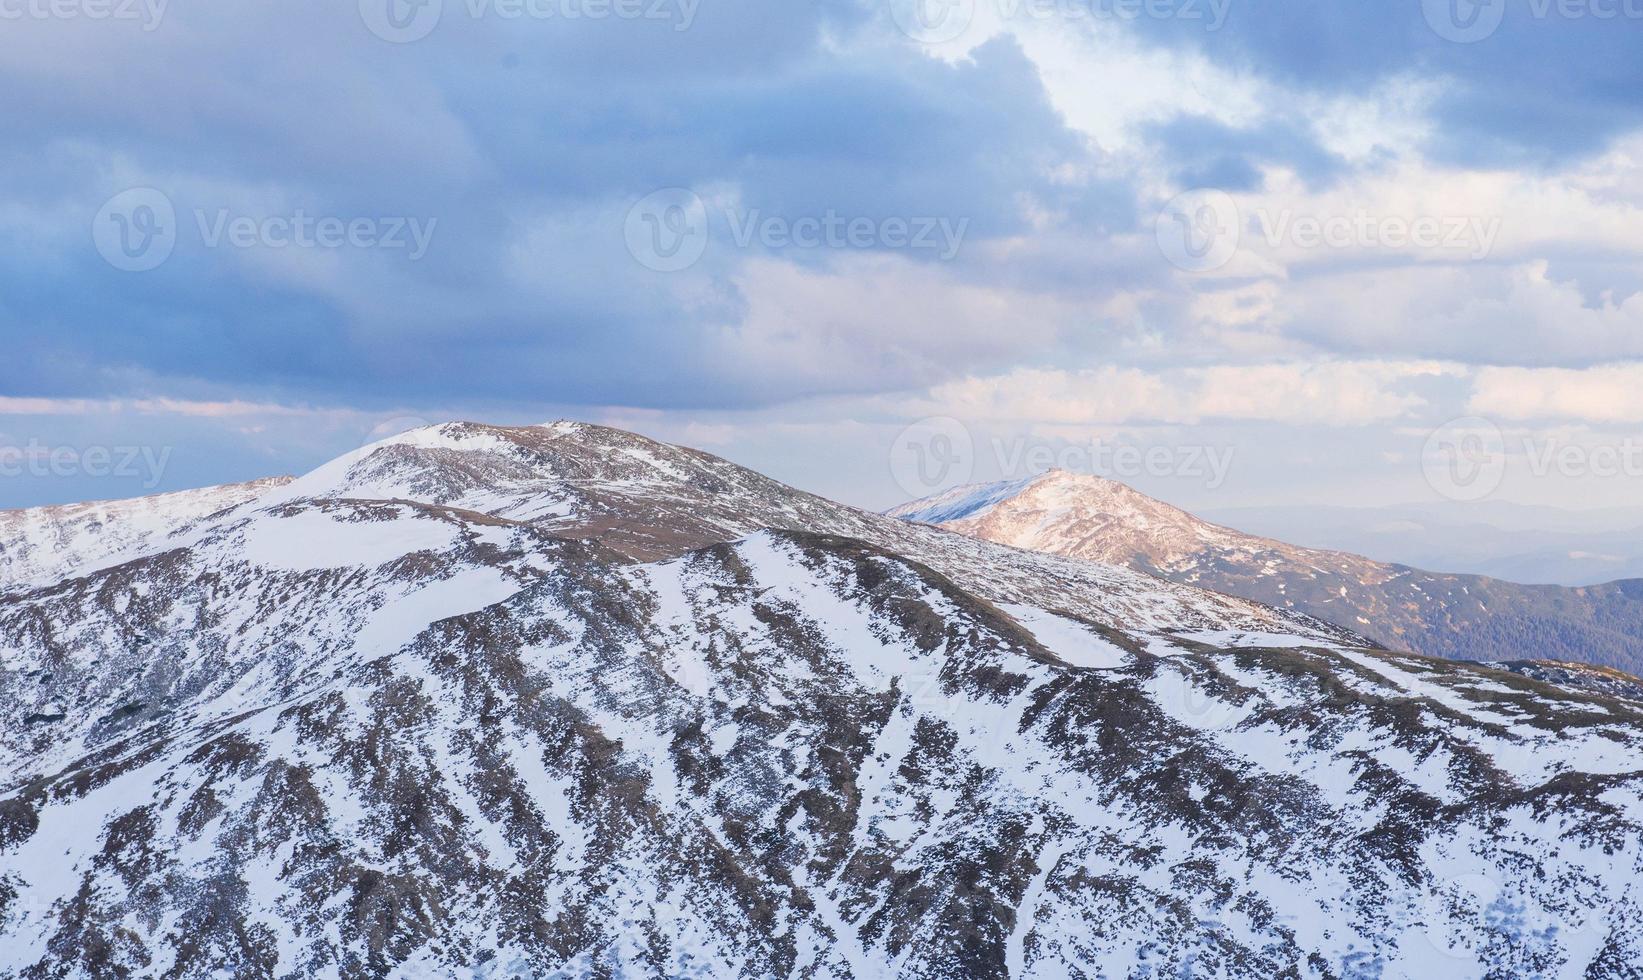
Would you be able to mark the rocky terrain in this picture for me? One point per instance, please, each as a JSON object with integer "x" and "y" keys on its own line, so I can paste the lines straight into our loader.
{"x": 561, "y": 702}
{"x": 1466, "y": 617}
{"x": 44, "y": 545}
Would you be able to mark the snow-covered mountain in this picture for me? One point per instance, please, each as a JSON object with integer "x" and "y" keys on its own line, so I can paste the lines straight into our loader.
{"x": 1465, "y": 617}
{"x": 562, "y": 701}
{"x": 47, "y": 544}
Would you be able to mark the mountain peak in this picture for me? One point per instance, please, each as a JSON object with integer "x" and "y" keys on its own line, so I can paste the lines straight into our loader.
{"x": 1073, "y": 482}
{"x": 1078, "y": 515}
{"x": 1463, "y": 616}
{"x": 747, "y": 731}
{"x": 1054, "y": 489}
{"x": 490, "y": 468}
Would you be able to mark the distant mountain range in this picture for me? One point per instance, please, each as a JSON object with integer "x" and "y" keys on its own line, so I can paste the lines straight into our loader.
{"x": 1465, "y": 617}
{"x": 1534, "y": 545}
{"x": 560, "y": 701}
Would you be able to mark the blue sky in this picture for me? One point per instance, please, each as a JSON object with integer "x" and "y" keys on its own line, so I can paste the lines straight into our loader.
{"x": 245, "y": 237}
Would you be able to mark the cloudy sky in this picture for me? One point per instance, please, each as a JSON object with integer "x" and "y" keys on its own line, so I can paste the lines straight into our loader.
{"x": 1233, "y": 251}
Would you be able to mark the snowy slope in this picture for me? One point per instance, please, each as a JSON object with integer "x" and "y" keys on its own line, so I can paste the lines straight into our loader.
{"x": 1089, "y": 517}
{"x": 429, "y": 711}
{"x": 646, "y": 500}
{"x": 42, "y": 545}
{"x": 1459, "y": 616}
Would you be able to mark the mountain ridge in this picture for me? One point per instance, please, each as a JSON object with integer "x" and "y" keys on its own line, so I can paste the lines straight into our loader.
{"x": 1456, "y": 616}
{"x": 1524, "y": 544}
{"x": 41, "y": 544}
{"x": 528, "y": 712}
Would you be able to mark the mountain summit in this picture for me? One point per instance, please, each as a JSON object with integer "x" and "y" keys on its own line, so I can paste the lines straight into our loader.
{"x": 1080, "y": 516}
{"x": 1467, "y": 617}
{"x": 563, "y": 701}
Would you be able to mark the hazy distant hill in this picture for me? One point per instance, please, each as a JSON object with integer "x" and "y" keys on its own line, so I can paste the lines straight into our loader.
{"x": 1465, "y": 617}
{"x": 1539, "y": 545}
